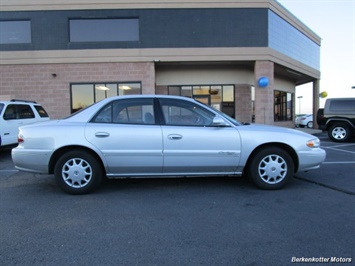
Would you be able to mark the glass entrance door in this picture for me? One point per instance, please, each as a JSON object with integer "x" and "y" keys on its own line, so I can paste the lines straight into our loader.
{"x": 206, "y": 99}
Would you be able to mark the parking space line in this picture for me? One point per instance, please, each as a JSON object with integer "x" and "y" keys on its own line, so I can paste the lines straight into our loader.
{"x": 346, "y": 145}
{"x": 335, "y": 149}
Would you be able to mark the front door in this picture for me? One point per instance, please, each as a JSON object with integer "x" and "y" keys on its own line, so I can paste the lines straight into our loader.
{"x": 191, "y": 145}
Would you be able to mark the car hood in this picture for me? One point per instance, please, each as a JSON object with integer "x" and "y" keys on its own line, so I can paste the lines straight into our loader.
{"x": 274, "y": 130}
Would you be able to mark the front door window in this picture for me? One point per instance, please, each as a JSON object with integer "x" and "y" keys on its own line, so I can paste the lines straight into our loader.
{"x": 220, "y": 97}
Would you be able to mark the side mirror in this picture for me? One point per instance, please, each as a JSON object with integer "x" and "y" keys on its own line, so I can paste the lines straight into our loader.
{"x": 219, "y": 122}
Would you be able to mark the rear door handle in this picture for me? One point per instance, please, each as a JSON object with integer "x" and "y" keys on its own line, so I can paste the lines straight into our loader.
{"x": 174, "y": 137}
{"x": 102, "y": 134}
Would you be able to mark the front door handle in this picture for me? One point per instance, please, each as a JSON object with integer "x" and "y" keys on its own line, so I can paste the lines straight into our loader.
{"x": 174, "y": 137}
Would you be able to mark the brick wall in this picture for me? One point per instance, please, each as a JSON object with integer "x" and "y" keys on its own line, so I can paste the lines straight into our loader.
{"x": 38, "y": 82}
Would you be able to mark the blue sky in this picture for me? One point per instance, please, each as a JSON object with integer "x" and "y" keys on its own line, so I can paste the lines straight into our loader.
{"x": 334, "y": 22}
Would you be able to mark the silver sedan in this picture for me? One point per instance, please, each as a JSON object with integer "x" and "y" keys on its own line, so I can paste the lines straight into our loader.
{"x": 156, "y": 135}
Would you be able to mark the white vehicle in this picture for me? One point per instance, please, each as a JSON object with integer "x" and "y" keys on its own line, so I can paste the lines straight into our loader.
{"x": 304, "y": 121}
{"x": 158, "y": 135}
{"x": 16, "y": 113}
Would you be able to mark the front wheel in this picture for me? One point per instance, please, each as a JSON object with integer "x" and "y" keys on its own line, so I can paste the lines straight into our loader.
{"x": 271, "y": 168}
{"x": 78, "y": 172}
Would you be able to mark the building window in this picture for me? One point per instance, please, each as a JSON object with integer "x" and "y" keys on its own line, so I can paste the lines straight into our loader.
{"x": 104, "y": 30}
{"x": 283, "y": 106}
{"x": 83, "y": 95}
{"x": 220, "y": 97}
{"x": 12, "y": 32}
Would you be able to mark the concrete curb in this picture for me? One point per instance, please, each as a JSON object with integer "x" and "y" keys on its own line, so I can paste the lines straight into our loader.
{"x": 311, "y": 131}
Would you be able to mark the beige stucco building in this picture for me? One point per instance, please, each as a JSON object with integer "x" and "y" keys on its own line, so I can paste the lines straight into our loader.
{"x": 243, "y": 57}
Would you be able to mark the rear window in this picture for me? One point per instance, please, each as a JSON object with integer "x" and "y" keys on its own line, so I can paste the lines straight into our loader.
{"x": 342, "y": 106}
{"x": 1, "y": 107}
{"x": 41, "y": 111}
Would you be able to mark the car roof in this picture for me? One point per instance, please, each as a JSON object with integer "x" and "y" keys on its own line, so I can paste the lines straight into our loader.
{"x": 92, "y": 109}
{"x": 150, "y": 96}
{"x": 20, "y": 101}
{"x": 145, "y": 96}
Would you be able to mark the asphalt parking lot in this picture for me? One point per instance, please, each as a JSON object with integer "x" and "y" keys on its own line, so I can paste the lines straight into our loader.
{"x": 338, "y": 170}
{"x": 202, "y": 221}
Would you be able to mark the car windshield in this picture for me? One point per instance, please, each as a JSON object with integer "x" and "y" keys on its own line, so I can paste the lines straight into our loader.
{"x": 1, "y": 106}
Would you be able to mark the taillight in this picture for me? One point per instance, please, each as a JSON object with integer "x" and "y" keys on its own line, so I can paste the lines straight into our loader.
{"x": 20, "y": 139}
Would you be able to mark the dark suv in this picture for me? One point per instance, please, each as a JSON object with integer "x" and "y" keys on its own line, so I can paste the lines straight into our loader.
{"x": 338, "y": 118}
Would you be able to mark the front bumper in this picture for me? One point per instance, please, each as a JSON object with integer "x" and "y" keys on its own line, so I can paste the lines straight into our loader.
{"x": 311, "y": 159}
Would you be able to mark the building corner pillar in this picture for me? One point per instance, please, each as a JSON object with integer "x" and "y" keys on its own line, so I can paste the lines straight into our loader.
{"x": 315, "y": 106}
{"x": 264, "y": 93}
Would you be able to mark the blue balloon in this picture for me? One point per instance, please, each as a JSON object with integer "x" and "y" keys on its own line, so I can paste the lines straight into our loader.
{"x": 263, "y": 82}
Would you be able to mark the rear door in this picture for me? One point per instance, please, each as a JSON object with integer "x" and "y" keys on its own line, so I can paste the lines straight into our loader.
{"x": 126, "y": 133}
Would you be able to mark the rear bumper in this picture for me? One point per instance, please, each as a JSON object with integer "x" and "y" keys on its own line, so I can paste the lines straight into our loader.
{"x": 34, "y": 161}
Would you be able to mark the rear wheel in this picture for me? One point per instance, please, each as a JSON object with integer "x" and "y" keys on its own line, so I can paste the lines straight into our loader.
{"x": 271, "y": 168}
{"x": 310, "y": 124}
{"x": 78, "y": 172}
{"x": 339, "y": 132}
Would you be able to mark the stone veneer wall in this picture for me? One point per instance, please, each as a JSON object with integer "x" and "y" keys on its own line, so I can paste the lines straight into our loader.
{"x": 243, "y": 105}
{"x": 264, "y": 97}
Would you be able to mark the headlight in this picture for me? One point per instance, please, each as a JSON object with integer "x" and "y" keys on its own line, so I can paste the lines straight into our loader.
{"x": 313, "y": 143}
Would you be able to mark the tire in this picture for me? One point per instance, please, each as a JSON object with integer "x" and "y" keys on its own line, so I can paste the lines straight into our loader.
{"x": 78, "y": 172}
{"x": 339, "y": 132}
{"x": 310, "y": 124}
{"x": 271, "y": 168}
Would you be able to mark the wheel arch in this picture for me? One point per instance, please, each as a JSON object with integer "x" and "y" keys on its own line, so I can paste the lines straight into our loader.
{"x": 58, "y": 153}
{"x": 283, "y": 146}
{"x": 332, "y": 122}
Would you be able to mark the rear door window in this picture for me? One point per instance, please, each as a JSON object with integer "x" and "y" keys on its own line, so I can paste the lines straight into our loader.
{"x": 18, "y": 111}
{"x": 132, "y": 111}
